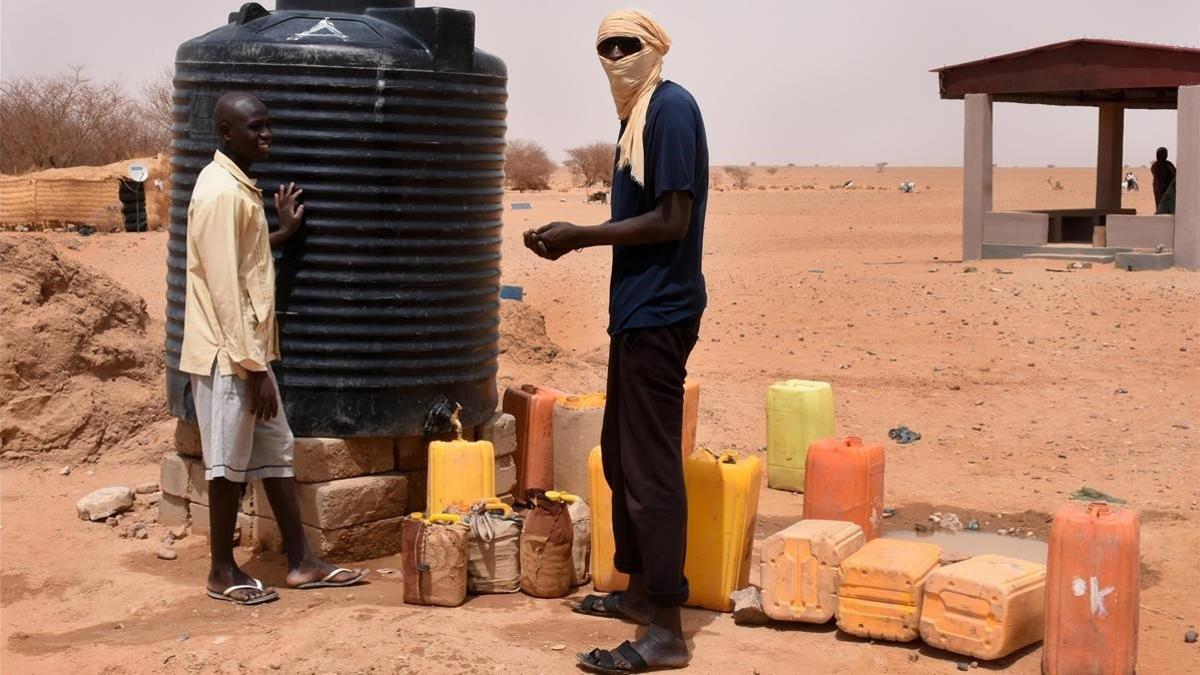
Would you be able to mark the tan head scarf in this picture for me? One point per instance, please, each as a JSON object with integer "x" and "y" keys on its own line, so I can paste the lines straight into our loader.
{"x": 633, "y": 80}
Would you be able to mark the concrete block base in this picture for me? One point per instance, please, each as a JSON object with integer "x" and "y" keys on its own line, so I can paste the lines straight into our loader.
{"x": 364, "y": 541}
{"x": 1142, "y": 262}
{"x": 341, "y": 503}
{"x": 318, "y": 460}
{"x": 172, "y": 510}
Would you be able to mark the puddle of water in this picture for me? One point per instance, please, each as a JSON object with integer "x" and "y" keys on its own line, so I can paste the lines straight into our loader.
{"x": 978, "y": 543}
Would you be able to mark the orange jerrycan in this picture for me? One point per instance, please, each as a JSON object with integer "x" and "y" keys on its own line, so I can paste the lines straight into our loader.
{"x": 605, "y": 576}
{"x": 801, "y": 569}
{"x": 798, "y": 413}
{"x": 988, "y": 606}
{"x": 844, "y": 481}
{"x": 1092, "y": 577}
{"x": 691, "y": 415}
{"x": 460, "y": 472}
{"x": 722, "y": 496}
{"x": 533, "y": 408}
{"x": 578, "y": 421}
{"x": 882, "y": 589}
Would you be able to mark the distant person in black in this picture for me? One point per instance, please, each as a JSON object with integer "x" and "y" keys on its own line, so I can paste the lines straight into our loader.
{"x": 1164, "y": 175}
{"x": 656, "y": 298}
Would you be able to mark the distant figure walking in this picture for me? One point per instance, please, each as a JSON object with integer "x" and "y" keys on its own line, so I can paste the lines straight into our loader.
{"x": 1164, "y": 177}
{"x": 1131, "y": 184}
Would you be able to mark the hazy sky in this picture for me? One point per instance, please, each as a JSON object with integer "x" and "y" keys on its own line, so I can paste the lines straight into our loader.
{"x": 832, "y": 82}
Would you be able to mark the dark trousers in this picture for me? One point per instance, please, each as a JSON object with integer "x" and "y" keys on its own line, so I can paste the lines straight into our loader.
{"x": 643, "y": 426}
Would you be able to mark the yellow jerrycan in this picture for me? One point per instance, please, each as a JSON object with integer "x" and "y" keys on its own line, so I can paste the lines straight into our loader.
{"x": 798, "y": 413}
{"x": 722, "y": 496}
{"x": 605, "y": 577}
{"x": 460, "y": 471}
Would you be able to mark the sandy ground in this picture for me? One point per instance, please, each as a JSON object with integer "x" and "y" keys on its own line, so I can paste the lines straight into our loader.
{"x": 1026, "y": 384}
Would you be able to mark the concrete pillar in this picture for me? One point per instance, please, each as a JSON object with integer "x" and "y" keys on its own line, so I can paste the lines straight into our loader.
{"x": 977, "y": 171}
{"x": 1109, "y": 151}
{"x": 1187, "y": 180}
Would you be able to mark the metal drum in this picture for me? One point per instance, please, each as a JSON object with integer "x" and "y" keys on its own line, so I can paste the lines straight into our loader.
{"x": 393, "y": 124}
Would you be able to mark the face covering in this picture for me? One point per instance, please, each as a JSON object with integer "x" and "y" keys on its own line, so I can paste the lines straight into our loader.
{"x": 633, "y": 80}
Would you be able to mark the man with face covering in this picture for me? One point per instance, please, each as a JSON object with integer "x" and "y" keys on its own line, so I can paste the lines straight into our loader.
{"x": 656, "y": 298}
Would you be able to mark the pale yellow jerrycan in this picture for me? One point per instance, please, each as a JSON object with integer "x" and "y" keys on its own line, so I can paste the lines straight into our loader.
{"x": 798, "y": 413}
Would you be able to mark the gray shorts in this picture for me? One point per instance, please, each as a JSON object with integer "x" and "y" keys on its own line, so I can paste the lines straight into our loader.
{"x": 237, "y": 446}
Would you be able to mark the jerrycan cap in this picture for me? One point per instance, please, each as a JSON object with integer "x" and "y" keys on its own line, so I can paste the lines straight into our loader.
{"x": 559, "y": 496}
{"x": 1099, "y": 509}
{"x": 851, "y": 442}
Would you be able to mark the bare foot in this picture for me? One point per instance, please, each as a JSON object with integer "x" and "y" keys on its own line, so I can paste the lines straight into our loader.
{"x": 219, "y": 580}
{"x": 318, "y": 571}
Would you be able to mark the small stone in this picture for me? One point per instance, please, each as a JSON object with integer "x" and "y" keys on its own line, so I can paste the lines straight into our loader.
{"x": 104, "y": 502}
{"x": 558, "y": 647}
{"x": 963, "y": 665}
{"x": 166, "y": 552}
{"x": 146, "y": 488}
{"x": 1029, "y": 534}
{"x": 276, "y": 666}
{"x": 1191, "y": 636}
{"x": 386, "y": 571}
{"x": 111, "y": 522}
{"x": 65, "y": 471}
{"x": 974, "y": 664}
{"x": 970, "y": 270}
{"x": 1002, "y": 532}
{"x": 913, "y": 657}
{"x": 140, "y": 533}
{"x": 1122, "y": 390}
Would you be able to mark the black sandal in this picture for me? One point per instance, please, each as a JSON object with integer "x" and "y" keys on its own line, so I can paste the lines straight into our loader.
{"x": 604, "y": 661}
{"x": 604, "y": 606}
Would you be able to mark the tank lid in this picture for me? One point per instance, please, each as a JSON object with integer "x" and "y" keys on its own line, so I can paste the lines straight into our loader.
{"x": 342, "y": 6}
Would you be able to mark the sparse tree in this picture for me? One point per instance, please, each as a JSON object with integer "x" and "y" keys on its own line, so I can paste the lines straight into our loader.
{"x": 527, "y": 166}
{"x": 740, "y": 176}
{"x": 714, "y": 177}
{"x": 592, "y": 164}
{"x": 880, "y": 166}
{"x": 158, "y": 103}
{"x": 49, "y": 121}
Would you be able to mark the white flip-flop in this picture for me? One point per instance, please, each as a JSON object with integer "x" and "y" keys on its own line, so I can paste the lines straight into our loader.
{"x": 326, "y": 583}
{"x": 227, "y": 594}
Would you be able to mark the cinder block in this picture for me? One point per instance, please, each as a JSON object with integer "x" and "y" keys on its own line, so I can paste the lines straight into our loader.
{"x": 318, "y": 460}
{"x": 173, "y": 475}
{"x": 342, "y": 503}
{"x": 197, "y": 484}
{"x": 501, "y": 432}
{"x": 411, "y": 453}
{"x": 202, "y": 524}
{"x": 187, "y": 439}
{"x": 172, "y": 510}
{"x": 350, "y": 501}
{"x": 506, "y": 475}
{"x": 364, "y": 541}
{"x": 200, "y": 519}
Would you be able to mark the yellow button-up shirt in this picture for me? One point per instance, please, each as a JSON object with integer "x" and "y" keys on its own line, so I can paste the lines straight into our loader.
{"x": 230, "y": 307}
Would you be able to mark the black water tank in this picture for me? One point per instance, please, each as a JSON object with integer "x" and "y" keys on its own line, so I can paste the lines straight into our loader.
{"x": 393, "y": 123}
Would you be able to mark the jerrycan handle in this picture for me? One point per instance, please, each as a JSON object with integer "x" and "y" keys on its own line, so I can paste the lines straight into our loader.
{"x": 445, "y": 518}
{"x": 725, "y": 457}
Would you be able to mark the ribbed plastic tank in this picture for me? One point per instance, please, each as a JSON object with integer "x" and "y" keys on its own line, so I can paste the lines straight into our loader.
{"x": 393, "y": 124}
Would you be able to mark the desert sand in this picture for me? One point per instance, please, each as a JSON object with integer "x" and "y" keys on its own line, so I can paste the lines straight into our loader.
{"x": 1027, "y": 380}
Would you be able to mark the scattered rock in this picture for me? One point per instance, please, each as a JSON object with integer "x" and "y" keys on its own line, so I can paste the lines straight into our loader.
{"x": 1080, "y": 265}
{"x": 973, "y": 525}
{"x": 963, "y": 665}
{"x": 1002, "y": 532}
{"x": 1122, "y": 390}
{"x": 913, "y": 657}
{"x": 166, "y": 552}
{"x": 276, "y": 666}
{"x": 65, "y": 471}
{"x": 1191, "y": 636}
{"x": 904, "y": 435}
{"x": 970, "y": 270}
{"x": 558, "y": 647}
{"x": 146, "y": 488}
{"x": 104, "y": 502}
{"x": 111, "y": 522}
{"x": 386, "y": 571}
{"x": 140, "y": 532}
{"x": 747, "y": 607}
{"x": 921, "y": 527}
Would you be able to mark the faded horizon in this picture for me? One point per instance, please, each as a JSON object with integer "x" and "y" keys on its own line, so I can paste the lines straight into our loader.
{"x": 778, "y": 82}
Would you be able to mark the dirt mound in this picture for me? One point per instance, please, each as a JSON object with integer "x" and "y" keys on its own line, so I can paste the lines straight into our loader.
{"x": 78, "y": 375}
{"x": 523, "y": 337}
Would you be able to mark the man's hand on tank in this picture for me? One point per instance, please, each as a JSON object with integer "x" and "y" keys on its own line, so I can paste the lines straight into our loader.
{"x": 263, "y": 401}
{"x": 289, "y": 208}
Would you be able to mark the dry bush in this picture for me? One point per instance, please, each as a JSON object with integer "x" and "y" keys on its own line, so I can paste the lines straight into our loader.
{"x": 740, "y": 176}
{"x": 880, "y": 166}
{"x": 592, "y": 163}
{"x": 772, "y": 170}
{"x": 714, "y": 178}
{"x": 527, "y": 166}
{"x": 158, "y": 102}
{"x": 51, "y": 121}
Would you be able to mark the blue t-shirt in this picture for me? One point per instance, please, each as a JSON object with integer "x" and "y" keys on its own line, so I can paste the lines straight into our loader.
{"x": 655, "y": 285}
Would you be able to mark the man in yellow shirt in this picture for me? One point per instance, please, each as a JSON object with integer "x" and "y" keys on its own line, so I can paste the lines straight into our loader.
{"x": 229, "y": 341}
